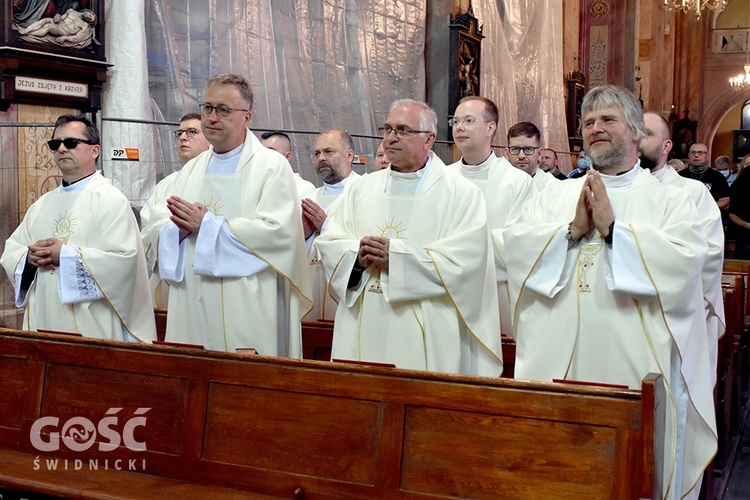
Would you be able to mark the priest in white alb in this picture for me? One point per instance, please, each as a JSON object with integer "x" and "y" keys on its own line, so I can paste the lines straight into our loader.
{"x": 505, "y": 189}
{"x": 333, "y": 153}
{"x": 76, "y": 261}
{"x": 654, "y": 152}
{"x": 408, "y": 256}
{"x": 605, "y": 277}
{"x": 230, "y": 237}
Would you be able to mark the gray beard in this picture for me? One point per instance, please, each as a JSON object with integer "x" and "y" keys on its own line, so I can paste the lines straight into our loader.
{"x": 608, "y": 159}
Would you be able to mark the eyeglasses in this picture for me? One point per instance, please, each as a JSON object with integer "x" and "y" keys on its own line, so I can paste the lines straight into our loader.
{"x": 527, "y": 150}
{"x": 402, "y": 132}
{"x": 207, "y": 109}
{"x": 699, "y": 152}
{"x": 69, "y": 143}
{"x": 469, "y": 121}
{"x": 190, "y": 132}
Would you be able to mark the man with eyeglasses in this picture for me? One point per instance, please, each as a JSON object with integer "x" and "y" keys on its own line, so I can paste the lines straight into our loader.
{"x": 229, "y": 237}
{"x": 505, "y": 188}
{"x": 605, "y": 277}
{"x": 190, "y": 139}
{"x": 190, "y": 143}
{"x": 408, "y": 257}
{"x": 76, "y": 261}
{"x": 525, "y": 153}
{"x": 700, "y": 170}
{"x": 282, "y": 144}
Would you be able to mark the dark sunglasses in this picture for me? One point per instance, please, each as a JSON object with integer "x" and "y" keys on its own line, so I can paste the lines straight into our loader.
{"x": 70, "y": 143}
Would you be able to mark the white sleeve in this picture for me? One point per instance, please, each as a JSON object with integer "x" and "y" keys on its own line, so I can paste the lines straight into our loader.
{"x": 22, "y": 296}
{"x": 624, "y": 270}
{"x": 411, "y": 274}
{"x": 219, "y": 253}
{"x": 555, "y": 267}
{"x": 75, "y": 284}
{"x": 171, "y": 256}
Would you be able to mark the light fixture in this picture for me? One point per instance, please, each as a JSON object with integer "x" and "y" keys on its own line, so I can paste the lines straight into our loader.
{"x": 741, "y": 82}
{"x": 695, "y": 6}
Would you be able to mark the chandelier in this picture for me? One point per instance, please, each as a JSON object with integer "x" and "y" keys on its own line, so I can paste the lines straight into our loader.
{"x": 695, "y": 6}
{"x": 741, "y": 83}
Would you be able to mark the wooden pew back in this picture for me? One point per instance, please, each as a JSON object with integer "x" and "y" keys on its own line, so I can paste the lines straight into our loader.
{"x": 288, "y": 428}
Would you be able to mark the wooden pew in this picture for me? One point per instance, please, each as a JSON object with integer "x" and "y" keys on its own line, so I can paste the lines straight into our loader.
{"x": 223, "y": 425}
{"x": 160, "y": 315}
{"x": 317, "y": 338}
{"x": 742, "y": 268}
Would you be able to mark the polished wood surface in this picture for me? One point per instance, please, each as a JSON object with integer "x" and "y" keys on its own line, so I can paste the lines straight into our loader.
{"x": 290, "y": 428}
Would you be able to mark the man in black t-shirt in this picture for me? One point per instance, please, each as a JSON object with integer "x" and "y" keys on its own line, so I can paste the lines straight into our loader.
{"x": 699, "y": 170}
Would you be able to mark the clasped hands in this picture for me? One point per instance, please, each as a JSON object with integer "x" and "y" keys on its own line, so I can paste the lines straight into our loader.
{"x": 373, "y": 250}
{"x": 186, "y": 216}
{"x": 593, "y": 208}
{"x": 45, "y": 253}
{"x": 313, "y": 217}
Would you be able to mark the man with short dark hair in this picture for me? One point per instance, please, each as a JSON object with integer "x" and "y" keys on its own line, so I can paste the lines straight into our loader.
{"x": 549, "y": 163}
{"x": 333, "y": 154}
{"x": 190, "y": 143}
{"x": 190, "y": 139}
{"x": 282, "y": 144}
{"x": 76, "y": 261}
{"x": 699, "y": 169}
{"x": 408, "y": 257}
{"x": 605, "y": 272}
{"x": 524, "y": 153}
{"x": 230, "y": 237}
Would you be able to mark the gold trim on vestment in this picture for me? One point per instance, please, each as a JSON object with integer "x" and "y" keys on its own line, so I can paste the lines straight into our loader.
{"x": 83, "y": 258}
{"x": 460, "y": 315}
{"x": 291, "y": 282}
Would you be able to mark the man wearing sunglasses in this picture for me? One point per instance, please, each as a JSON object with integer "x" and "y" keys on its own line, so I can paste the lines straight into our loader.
{"x": 76, "y": 261}
{"x": 190, "y": 143}
{"x": 229, "y": 237}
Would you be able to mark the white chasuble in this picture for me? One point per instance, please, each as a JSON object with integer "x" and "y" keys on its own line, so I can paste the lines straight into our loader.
{"x": 99, "y": 223}
{"x": 613, "y": 313}
{"x": 506, "y": 189}
{"x": 709, "y": 217}
{"x": 155, "y": 210}
{"x": 258, "y": 207}
{"x": 436, "y": 307}
{"x": 324, "y": 305}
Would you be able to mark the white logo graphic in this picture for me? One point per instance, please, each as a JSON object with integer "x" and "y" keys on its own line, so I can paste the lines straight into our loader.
{"x": 80, "y": 433}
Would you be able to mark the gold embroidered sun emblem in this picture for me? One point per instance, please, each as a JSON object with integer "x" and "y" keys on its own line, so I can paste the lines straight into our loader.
{"x": 64, "y": 225}
{"x": 214, "y": 206}
{"x": 392, "y": 229}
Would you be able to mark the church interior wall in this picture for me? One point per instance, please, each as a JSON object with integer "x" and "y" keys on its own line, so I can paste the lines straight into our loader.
{"x": 723, "y": 139}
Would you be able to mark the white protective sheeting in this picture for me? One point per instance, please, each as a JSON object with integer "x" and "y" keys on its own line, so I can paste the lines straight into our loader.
{"x": 313, "y": 65}
{"x": 522, "y": 66}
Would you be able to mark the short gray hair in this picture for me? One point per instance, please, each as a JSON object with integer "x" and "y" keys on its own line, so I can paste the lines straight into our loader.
{"x": 612, "y": 95}
{"x": 427, "y": 116}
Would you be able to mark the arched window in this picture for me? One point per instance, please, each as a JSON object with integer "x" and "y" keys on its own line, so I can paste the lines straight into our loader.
{"x": 745, "y": 122}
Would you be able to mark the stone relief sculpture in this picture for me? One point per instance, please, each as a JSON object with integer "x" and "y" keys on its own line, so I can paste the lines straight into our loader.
{"x": 73, "y": 29}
